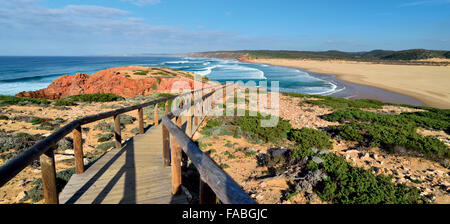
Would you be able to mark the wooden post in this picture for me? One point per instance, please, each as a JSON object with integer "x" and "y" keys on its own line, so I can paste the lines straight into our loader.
{"x": 213, "y": 103}
{"x": 189, "y": 117}
{"x": 141, "y": 120}
{"x": 176, "y": 162}
{"x": 117, "y": 132}
{"x": 224, "y": 96}
{"x": 207, "y": 195}
{"x": 48, "y": 171}
{"x": 166, "y": 145}
{"x": 167, "y": 107}
{"x": 166, "y": 139}
{"x": 156, "y": 114}
{"x": 78, "y": 150}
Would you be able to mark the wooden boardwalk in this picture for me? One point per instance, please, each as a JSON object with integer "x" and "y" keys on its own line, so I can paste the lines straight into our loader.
{"x": 134, "y": 174}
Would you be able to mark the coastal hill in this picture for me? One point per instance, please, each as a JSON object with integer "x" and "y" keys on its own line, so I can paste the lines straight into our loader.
{"x": 128, "y": 81}
{"x": 382, "y": 56}
{"x": 418, "y": 73}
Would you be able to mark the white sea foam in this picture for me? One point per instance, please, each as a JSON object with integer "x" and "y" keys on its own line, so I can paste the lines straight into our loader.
{"x": 176, "y": 62}
{"x": 206, "y": 71}
{"x": 237, "y": 71}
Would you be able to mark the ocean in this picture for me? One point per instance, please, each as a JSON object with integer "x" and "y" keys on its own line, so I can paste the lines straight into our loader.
{"x": 32, "y": 73}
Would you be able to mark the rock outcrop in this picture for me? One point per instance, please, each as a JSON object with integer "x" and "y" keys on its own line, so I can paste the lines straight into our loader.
{"x": 114, "y": 80}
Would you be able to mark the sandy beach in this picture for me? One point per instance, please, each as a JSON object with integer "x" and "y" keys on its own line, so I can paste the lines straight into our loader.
{"x": 428, "y": 84}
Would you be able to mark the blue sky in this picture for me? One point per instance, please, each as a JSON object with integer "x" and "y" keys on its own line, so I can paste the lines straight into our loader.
{"x": 95, "y": 27}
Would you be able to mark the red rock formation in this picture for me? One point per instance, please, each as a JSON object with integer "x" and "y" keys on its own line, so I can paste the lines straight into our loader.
{"x": 244, "y": 58}
{"x": 107, "y": 81}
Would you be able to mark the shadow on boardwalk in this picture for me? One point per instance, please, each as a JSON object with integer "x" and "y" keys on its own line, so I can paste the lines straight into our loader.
{"x": 132, "y": 175}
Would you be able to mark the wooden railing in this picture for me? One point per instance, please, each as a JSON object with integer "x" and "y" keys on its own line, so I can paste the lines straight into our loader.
{"x": 214, "y": 180}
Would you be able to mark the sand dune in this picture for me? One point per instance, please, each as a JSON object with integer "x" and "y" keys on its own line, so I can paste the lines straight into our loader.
{"x": 429, "y": 84}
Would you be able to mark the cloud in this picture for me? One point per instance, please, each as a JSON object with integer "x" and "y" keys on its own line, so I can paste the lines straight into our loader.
{"x": 427, "y": 2}
{"x": 143, "y": 2}
{"x": 87, "y": 29}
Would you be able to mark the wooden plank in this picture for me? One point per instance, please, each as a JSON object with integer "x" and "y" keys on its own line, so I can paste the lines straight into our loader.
{"x": 151, "y": 182}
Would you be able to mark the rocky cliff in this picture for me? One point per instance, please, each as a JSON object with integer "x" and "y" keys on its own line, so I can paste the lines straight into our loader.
{"x": 124, "y": 81}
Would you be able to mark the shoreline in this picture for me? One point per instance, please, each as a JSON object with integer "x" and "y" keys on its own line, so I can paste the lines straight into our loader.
{"x": 359, "y": 91}
{"x": 359, "y": 81}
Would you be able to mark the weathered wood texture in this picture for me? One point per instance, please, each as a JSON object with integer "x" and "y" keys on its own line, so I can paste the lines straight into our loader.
{"x": 48, "y": 171}
{"x": 78, "y": 150}
{"x": 134, "y": 174}
{"x": 141, "y": 120}
{"x": 225, "y": 188}
{"x": 117, "y": 131}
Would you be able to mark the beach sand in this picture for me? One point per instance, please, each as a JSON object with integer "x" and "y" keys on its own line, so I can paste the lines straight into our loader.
{"x": 428, "y": 84}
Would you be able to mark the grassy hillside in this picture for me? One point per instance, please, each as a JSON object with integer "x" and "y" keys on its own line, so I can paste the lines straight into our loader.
{"x": 375, "y": 55}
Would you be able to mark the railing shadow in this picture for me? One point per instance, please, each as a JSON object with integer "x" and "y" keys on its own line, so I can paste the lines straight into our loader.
{"x": 130, "y": 178}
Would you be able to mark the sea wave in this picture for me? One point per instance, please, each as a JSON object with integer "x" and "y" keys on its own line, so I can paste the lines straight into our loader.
{"x": 176, "y": 62}
{"x": 30, "y": 78}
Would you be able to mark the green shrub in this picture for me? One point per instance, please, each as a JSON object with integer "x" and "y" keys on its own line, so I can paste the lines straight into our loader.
{"x": 127, "y": 119}
{"x": 3, "y": 117}
{"x": 390, "y": 137}
{"x": 106, "y": 145}
{"x": 252, "y": 126}
{"x": 308, "y": 138}
{"x": 96, "y": 97}
{"x": 103, "y": 126}
{"x": 211, "y": 123}
{"x": 39, "y": 121}
{"x": 18, "y": 141}
{"x": 346, "y": 184}
{"x": 353, "y": 185}
{"x": 65, "y": 143}
{"x": 338, "y": 103}
{"x": 408, "y": 121}
{"x": 141, "y": 72}
{"x": 12, "y": 100}
{"x": 105, "y": 137}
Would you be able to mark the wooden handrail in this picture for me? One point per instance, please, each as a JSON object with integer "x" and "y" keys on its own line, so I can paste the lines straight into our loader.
{"x": 212, "y": 176}
{"x": 11, "y": 168}
{"x": 225, "y": 188}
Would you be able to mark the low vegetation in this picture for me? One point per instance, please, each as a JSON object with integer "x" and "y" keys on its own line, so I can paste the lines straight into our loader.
{"x": 21, "y": 101}
{"x": 338, "y": 103}
{"x": 308, "y": 138}
{"x": 96, "y": 97}
{"x": 371, "y": 56}
{"x": 252, "y": 126}
{"x": 345, "y": 184}
{"x": 391, "y": 131}
{"x": 141, "y": 72}
{"x": 12, "y": 145}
